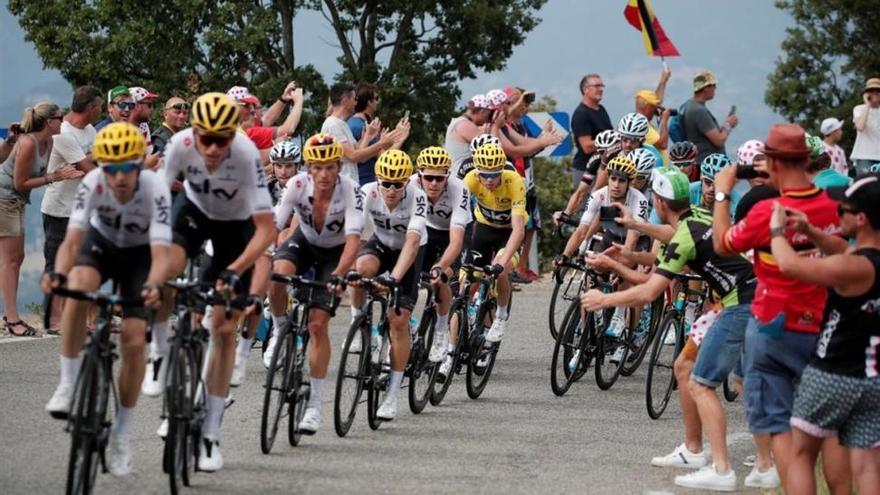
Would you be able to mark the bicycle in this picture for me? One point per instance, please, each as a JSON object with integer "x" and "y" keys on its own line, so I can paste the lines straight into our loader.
{"x": 668, "y": 343}
{"x": 89, "y": 421}
{"x": 565, "y": 287}
{"x": 288, "y": 367}
{"x": 421, "y": 369}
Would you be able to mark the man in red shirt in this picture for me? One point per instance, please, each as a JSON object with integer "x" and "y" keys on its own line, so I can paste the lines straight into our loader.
{"x": 786, "y": 313}
{"x": 262, "y": 132}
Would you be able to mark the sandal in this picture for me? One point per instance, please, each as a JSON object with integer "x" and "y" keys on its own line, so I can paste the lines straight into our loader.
{"x": 29, "y": 331}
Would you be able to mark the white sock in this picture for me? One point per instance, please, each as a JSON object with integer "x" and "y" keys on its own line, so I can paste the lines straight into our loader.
{"x": 315, "y": 393}
{"x": 277, "y": 323}
{"x": 501, "y": 312}
{"x": 244, "y": 349}
{"x": 442, "y": 323}
{"x": 70, "y": 369}
{"x": 450, "y": 348}
{"x": 159, "y": 343}
{"x": 208, "y": 319}
{"x": 355, "y": 312}
{"x": 122, "y": 423}
{"x": 394, "y": 383}
{"x": 212, "y": 418}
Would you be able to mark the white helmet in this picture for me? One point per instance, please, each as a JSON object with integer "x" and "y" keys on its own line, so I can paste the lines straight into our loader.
{"x": 483, "y": 139}
{"x": 644, "y": 160}
{"x": 633, "y": 126}
{"x": 285, "y": 151}
{"x": 606, "y": 139}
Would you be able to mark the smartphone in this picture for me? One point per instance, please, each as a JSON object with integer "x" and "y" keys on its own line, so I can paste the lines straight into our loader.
{"x": 406, "y": 115}
{"x": 14, "y": 128}
{"x": 529, "y": 98}
{"x": 749, "y": 172}
{"x": 732, "y": 110}
{"x": 609, "y": 213}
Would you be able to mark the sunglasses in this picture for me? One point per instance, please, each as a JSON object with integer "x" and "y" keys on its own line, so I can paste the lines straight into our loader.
{"x": 843, "y": 209}
{"x": 630, "y": 139}
{"x": 179, "y": 107}
{"x": 392, "y": 185}
{"x": 208, "y": 140}
{"x": 433, "y": 178}
{"x": 489, "y": 175}
{"x": 683, "y": 164}
{"x": 146, "y": 103}
{"x": 125, "y": 105}
{"x": 708, "y": 182}
{"x": 125, "y": 168}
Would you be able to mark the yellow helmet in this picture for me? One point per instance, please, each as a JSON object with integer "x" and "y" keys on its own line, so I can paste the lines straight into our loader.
{"x": 489, "y": 157}
{"x": 215, "y": 113}
{"x": 394, "y": 165}
{"x": 621, "y": 165}
{"x": 435, "y": 158}
{"x": 118, "y": 142}
{"x": 322, "y": 148}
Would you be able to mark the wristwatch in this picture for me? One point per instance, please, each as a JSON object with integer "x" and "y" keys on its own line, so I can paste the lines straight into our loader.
{"x": 721, "y": 196}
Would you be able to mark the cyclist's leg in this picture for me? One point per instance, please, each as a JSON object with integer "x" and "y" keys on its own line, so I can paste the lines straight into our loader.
{"x": 368, "y": 264}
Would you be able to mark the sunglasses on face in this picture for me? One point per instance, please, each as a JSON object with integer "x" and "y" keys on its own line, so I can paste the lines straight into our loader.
{"x": 146, "y": 103}
{"x": 125, "y": 168}
{"x": 844, "y": 209}
{"x": 208, "y": 140}
{"x": 489, "y": 175}
{"x": 708, "y": 182}
{"x": 630, "y": 140}
{"x": 179, "y": 107}
{"x": 433, "y": 178}
{"x": 392, "y": 185}
{"x": 125, "y": 105}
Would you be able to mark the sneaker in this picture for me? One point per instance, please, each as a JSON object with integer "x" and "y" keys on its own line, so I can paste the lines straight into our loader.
{"x": 154, "y": 380}
{"x": 618, "y": 354}
{"x": 763, "y": 479}
{"x": 210, "y": 458}
{"x": 270, "y": 351}
{"x": 682, "y": 457}
{"x": 311, "y": 421}
{"x": 445, "y": 368}
{"x": 59, "y": 405}
{"x": 120, "y": 455}
{"x": 162, "y": 431}
{"x": 615, "y": 326}
{"x": 239, "y": 372}
{"x": 438, "y": 349}
{"x": 496, "y": 333}
{"x": 388, "y": 409}
{"x": 750, "y": 460}
{"x": 707, "y": 478}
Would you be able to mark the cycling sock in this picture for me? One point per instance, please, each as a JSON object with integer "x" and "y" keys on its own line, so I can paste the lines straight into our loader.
{"x": 159, "y": 342}
{"x": 355, "y": 312}
{"x": 394, "y": 383}
{"x": 501, "y": 312}
{"x": 244, "y": 349}
{"x": 208, "y": 318}
{"x": 122, "y": 423}
{"x": 278, "y": 322}
{"x": 212, "y": 418}
{"x": 70, "y": 368}
{"x": 450, "y": 348}
{"x": 442, "y": 324}
{"x": 315, "y": 393}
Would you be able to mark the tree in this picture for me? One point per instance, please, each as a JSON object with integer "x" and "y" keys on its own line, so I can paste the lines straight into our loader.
{"x": 827, "y": 56}
{"x": 415, "y": 50}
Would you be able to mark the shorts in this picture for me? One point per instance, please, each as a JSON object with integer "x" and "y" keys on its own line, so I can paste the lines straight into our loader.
{"x": 438, "y": 241}
{"x": 11, "y": 217}
{"x": 228, "y": 238}
{"x": 722, "y": 346}
{"x": 409, "y": 284}
{"x": 54, "y": 229}
{"x": 772, "y": 367}
{"x": 305, "y": 256}
{"x": 828, "y": 404}
{"x": 127, "y": 267}
{"x": 486, "y": 241}
{"x": 534, "y": 220}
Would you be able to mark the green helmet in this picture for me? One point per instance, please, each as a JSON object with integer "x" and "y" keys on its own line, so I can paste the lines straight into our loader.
{"x": 671, "y": 183}
{"x": 815, "y": 145}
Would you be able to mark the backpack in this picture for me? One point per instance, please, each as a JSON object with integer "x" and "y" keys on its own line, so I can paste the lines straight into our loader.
{"x": 676, "y": 125}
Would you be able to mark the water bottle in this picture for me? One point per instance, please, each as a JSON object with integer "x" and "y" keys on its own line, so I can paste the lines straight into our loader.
{"x": 374, "y": 344}
{"x": 299, "y": 344}
{"x": 413, "y": 326}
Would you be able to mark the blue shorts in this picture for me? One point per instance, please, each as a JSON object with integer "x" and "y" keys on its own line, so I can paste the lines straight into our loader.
{"x": 722, "y": 346}
{"x": 772, "y": 366}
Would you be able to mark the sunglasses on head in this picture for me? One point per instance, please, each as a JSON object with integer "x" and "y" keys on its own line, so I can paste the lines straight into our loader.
{"x": 433, "y": 178}
{"x": 179, "y": 106}
{"x": 125, "y": 168}
{"x": 209, "y": 139}
{"x": 489, "y": 175}
{"x": 125, "y": 105}
{"x": 386, "y": 184}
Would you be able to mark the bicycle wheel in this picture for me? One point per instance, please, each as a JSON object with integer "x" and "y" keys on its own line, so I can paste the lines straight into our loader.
{"x": 482, "y": 354}
{"x": 610, "y": 355}
{"x": 730, "y": 393}
{"x": 568, "y": 361}
{"x": 350, "y": 377}
{"x": 640, "y": 340}
{"x": 85, "y": 425}
{"x": 276, "y": 389}
{"x": 377, "y": 378}
{"x": 563, "y": 292}
{"x": 457, "y": 320}
{"x": 179, "y": 396}
{"x": 299, "y": 387}
{"x": 421, "y": 369}
{"x": 661, "y": 375}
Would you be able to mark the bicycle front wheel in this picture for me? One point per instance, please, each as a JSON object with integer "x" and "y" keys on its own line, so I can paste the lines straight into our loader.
{"x": 661, "y": 372}
{"x": 85, "y": 425}
{"x": 482, "y": 353}
{"x": 276, "y": 389}
{"x": 180, "y": 451}
{"x": 421, "y": 369}
{"x": 351, "y": 375}
{"x": 299, "y": 387}
{"x": 457, "y": 321}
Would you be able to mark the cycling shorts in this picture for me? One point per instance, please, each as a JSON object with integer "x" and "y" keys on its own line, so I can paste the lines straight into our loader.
{"x": 127, "y": 267}
{"x": 304, "y": 256}
{"x": 409, "y": 284}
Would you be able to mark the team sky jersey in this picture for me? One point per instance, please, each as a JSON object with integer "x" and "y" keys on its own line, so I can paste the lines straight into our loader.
{"x": 801, "y": 302}
{"x": 496, "y": 208}
{"x": 410, "y": 215}
{"x": 730, "y": 276}
{"x": 635, "y": 201}
{"x": 344, "y": 216}
{"x": 452, "y": 209}
{"x": 236, "y": 190}
{"x": 145, "y": 219}
{"x": 850, "y": 339}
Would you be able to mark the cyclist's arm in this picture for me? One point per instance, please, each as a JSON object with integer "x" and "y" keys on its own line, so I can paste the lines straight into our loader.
{"x": 626, "y": 273}
{"x": 638, "y": 295}
{"x": 407, "y": 255}
{"x": 263, "y": 236}
{"x": 456, "y": 241}
{"x": 68, "y": 250}
{"x": 159, "y": 264}
{"x": 577, "y": 198}
{"x": 518, "y": 232}
{"x": 632, "y": 237}
{"x": 349, "y": 254}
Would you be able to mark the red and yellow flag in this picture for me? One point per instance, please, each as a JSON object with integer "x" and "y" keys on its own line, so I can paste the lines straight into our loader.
{"x": 641, "y": 16}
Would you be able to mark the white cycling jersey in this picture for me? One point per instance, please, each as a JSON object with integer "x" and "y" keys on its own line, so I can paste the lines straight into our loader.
{"x": 236, "y": 190}
{"x": 452, "y": 209}
{"x": 145, "y": 219}
{"x": 635, "y": 201}
{"x": 410, "y": 215}
{"x": 345, "y": 214}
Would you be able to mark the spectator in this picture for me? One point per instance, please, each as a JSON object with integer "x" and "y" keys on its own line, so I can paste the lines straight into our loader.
{"x": 366, "y": 103}
{"x": 464, "y": 128}
{"x": 140, "y": 117}
{"x": 699, "y": 124}
{"x": 751, "y": 154}
{"x": 119, "y": 107}
{"x": 587, "y": 121}
{"x": 174, "y": 119}
{"x": 832, "y": 133}
{"x": 7, "y": 144}
{"x": 342, "y": 105}
{"x": 70, "y": 148}
{"x": 820, "y": 172}
{"x": 648, "y": 104}
{"x": 866, "y": 150}
{"x": 23, "y": 170}
{"x": 261, "y": 130}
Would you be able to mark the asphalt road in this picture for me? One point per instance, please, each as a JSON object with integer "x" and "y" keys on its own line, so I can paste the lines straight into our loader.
{"x": 517, "y": 438}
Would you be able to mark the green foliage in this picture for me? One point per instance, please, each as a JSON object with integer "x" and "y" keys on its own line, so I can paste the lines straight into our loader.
{"x": 553, "y": 180}
{"x": 827, "y": 56}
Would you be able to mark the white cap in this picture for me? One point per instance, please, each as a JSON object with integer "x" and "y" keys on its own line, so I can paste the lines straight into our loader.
{"x": 830, "y": 125}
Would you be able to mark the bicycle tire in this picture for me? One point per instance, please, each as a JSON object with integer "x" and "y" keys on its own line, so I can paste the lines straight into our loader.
{"x": 276, "y": 390}
{"x": 440, "y": 385}
{"x": 84, "y": 425}
{"x": 730, "y": 393}
{"x": 607, "y": 372}
{"x": 377, "y": 378}
{"x": 179, "y": 395}
{"x": 638, "y": 352}
{"x": 477, "y": 377}
{"x": 299, "y": 389}
{"x": 661, "y": 368}
{"x": 351, "y": 369}
{"x": 558, "y": 308}
{"x": 567, "y": 344}
{"x": 421, "y": 369}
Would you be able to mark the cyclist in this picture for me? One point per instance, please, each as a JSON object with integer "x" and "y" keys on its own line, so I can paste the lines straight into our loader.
{"x": 398, "y": 210}
{"x": 607, "y": 147}
{"x": 228, "y": 203}
{"x": 330, "y": 209}
{"x": 448, "y": 215}
{"x": 683, "y": 155}
{"x": 476, "y": 143}
{"x": 734, "y": 280}
{"x": 119, "y": 229}
{"x": 632, "y": 129}
{"x": 702, "y": 192}
{"x": 499, "y": 229}
{"x": 286, "y": 159}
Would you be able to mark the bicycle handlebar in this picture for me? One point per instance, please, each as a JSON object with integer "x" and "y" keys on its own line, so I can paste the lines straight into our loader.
{"x": 296, "y": 280}
{"x": 373, "y": 284}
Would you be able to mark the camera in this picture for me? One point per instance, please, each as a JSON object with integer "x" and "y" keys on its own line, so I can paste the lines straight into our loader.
{"x": 750, "y": 172}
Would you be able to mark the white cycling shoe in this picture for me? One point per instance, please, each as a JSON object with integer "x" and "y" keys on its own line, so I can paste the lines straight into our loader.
{"x": 388, "y": 410}
{"x": 311, "y": 421}
{"x": 154, "y": 379}
{"x": 438, "y": 349}
{"x": 120, "y": 455}
{"x": 496, "y": 333}
{"x": 210, "y": 458}
{"x": 59, "y": 405}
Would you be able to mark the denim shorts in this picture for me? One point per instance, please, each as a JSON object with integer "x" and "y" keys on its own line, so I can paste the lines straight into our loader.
{"x": 722, "y": 346}
{"x": 772, "y": 366}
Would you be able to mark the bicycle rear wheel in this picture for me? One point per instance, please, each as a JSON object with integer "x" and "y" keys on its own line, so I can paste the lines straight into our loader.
{"x": 276, "y": 389}
{"x": 378, "y": 372}
{"x": 457, "y": 320}
{"x": 482, "y": 354}
{"x": 421, "y": 369}
{"x": 608, "y": 357}
{"x": 179, "y": 395}
{"x": 661, "y": 374}
{"x": 351, "y": 376}
{"x": 298, "y": 387}
{"x": 566, "y": 352}
{"x": 85, "y": 424}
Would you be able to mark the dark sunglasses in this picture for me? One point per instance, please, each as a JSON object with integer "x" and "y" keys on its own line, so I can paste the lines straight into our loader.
{"x": 433, "y": 178}
{"x": 125, "y": 168}
{"x": 843, "y": 209}
{"x": 708, "y": 182}
{"x": 489, "y": 175}
{"x": 392, "y": 185}
{"x": 220, "y": 141}
{"x": 125, "y": 105}
{"x": 179, "y": 107}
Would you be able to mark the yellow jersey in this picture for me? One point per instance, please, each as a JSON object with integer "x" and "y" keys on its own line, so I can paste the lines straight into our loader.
{"x": 495, "y": 208}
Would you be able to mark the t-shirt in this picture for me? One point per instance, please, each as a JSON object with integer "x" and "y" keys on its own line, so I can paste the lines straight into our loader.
{"x": 522, "y": 164}
{"x": 160, "y": 138}
{"x": 344, "y": 216}
{"x": 698, "y": 120}
{"x": 838, "y": 157}
{"x": 452, "y": 208}
{"x": 68, "y": 147}
{"x": 586, "y": 121}
{"x": 391, "y": 226}
{"x": 751, "y": 198}
{"x": 830, "y": 178}
{"x": 651, "y": 139}
{"x": 496, "y": 207}
{"x": 261, "y": 136}
{"x": 730, "y": 276}
{"x": 867, "y": 145}
{"x": 802, "y": 303}
{"x": 340, "y": 131}
{"x": 458, "y": 149}
{"x": 366, "y": 170}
